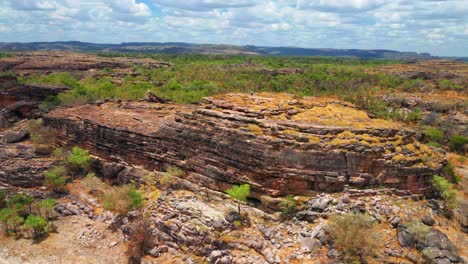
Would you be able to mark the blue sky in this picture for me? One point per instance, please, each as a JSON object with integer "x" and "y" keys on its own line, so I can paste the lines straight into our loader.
{"x": 436, "y": 26}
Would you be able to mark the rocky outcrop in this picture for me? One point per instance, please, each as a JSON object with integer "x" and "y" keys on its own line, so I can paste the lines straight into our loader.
{"x": 276, "y": 143}
{"x": 19, "y": 101}
{"x": 21, "y": 166}
{"x": 47, "y": 62}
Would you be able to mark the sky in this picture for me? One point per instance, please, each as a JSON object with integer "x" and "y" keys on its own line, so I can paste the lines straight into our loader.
{"x": 439, "y": 27}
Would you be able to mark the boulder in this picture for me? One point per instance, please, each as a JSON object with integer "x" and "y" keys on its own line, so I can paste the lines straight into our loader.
{"x": 14, "y": 137}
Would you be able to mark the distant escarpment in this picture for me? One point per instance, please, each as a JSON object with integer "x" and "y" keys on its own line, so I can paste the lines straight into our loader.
{"x": 278, "y": 144}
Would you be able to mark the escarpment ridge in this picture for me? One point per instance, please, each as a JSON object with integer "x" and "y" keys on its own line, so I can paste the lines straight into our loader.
{"x": 278, "y": 144}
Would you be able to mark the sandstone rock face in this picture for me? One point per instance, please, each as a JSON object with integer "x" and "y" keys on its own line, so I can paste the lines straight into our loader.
{"x": 276, "y": 143}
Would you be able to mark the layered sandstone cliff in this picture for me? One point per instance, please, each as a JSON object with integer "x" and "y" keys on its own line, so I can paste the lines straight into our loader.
{"x": 276, "y": 143}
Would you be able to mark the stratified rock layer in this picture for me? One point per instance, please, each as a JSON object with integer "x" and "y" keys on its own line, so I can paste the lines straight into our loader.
{"x": 276, "y": 143}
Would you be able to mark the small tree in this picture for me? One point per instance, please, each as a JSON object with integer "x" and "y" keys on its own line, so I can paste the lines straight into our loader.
{"x": 5, "y": 215}
{"x": 56, "y": 178}
{"x": 18, "y": 203}
{"x": 79, "y": 160}
{"x": 240, "y": 193}
{"x": 37, "y": 224}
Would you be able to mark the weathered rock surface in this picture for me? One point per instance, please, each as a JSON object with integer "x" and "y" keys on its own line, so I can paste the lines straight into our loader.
{"x": 46, "y": 62}
{"x": 276, "y": 143}
{"x": 19, "y": 101}
{"x": 20, "y": 166}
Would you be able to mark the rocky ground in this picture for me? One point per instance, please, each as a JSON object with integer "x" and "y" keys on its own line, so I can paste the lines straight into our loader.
{"x": 335, "y": 158}
{"x": 192, "y": 224}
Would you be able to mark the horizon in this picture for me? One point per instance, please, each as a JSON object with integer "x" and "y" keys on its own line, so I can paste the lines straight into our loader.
{"x": 423, "y": 26}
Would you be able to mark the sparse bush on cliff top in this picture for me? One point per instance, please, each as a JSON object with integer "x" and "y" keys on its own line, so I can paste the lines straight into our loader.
{"x": 354, "y": 236}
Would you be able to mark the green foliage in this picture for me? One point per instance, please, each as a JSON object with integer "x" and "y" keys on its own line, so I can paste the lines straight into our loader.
{"x": 449, "y": 172}
{"x": 5, "y": 215}
{"x": 239, "y": 192}
{"x": 37, "y": 224}
{"x": 448, "y": 85}
{"x": 7, "y": 74}
{"x": 57, "y": 78}
{"x": 418, "y": 230}
{"x": 122, "y": 199}
{"x": 288, "y": 205}
{"x": 446, "y": 190}
{"x": 237, "y": 223}
{"x": 79, "y": 157}
{"x": 415, "y": 115}
{"x": 413, "y": 85}
{"x": 193, "y": 77}
{"x": 354, "y": 235}
{"x": 458, "y": 142}
{"x": 434, "y": 144}
{"x": 56, "y": 178}
{"x": 18, "y": 202}
{"x": 47, "y": 205}
{"x": 433, "y": 134}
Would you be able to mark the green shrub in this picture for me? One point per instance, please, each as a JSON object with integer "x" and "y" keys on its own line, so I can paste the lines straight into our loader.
{"x": 240, "y": 193}
{"x": 37, "y": 224}
{"x": 448, "y": 85}
{"x": 354, "y": 236}
{"x": 433, "y": 134}
{"x": 288, "y": 204}
{"x": 79, "y": 157}
{"x": 446, "y": 191}
{"x": 415, "y": 115}
{"x": 458, "y": 142}
{"x": 434, "y": 144}
{"x": 20, "y": 202}
{"x": 122, "y": 199}
{"x": 47, "y": 205}
{"x": 56, "y": 178}
{"x": 449, "y": 172}
{"x": 5, "y": 215}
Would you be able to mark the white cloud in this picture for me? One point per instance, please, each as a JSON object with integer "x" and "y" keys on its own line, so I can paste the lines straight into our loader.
{"x": 435, "y": 26}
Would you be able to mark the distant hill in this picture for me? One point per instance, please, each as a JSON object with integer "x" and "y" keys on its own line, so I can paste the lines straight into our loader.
{"x": 180, "y": 47}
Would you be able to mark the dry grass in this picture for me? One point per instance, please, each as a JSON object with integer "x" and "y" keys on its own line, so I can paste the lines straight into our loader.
{"x": 255, "y": 130}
